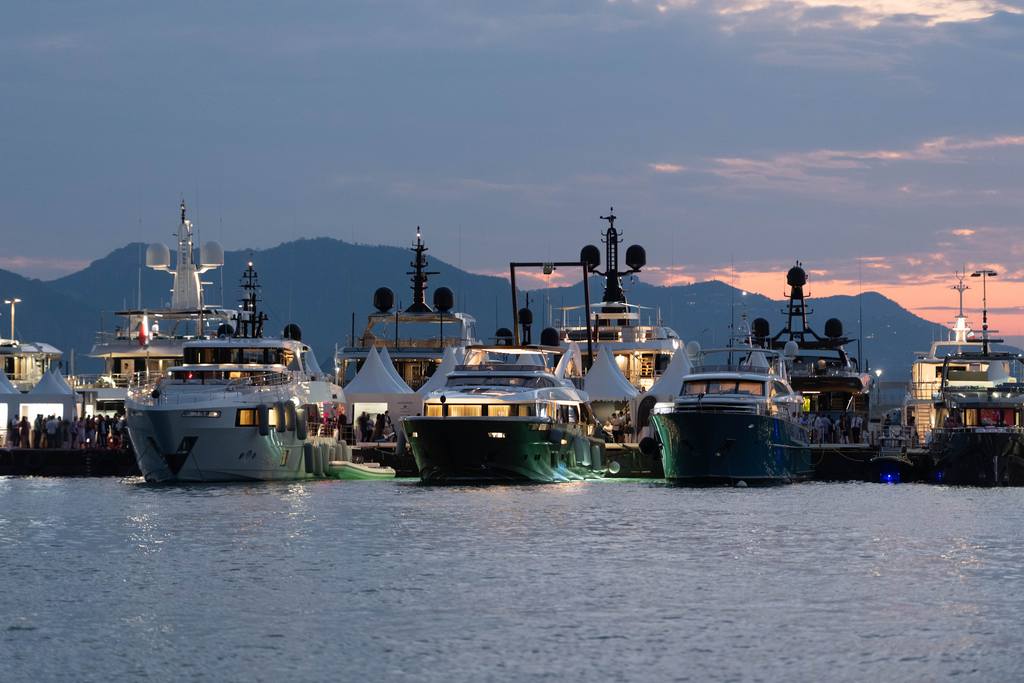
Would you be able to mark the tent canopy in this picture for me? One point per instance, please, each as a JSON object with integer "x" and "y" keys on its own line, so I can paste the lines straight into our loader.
{"x": 52, "y": 383}
{"x": 5, "y": 385}
{"x": 605, "y": 381}
{"x": 670, "y": 383}
{"x": 440, "y": 376}
{"x": 374, "y": 378}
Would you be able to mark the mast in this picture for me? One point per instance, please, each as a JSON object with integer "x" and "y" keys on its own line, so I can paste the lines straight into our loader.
{"x": 613, "y": 293}
{"x": 419, "y": 275}
{"x": 960, "y": 327}
{"x": 250, "y": 320}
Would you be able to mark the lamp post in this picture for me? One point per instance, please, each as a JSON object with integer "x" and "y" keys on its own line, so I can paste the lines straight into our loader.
{"x": 984, "y": 275}
{"x": 13, "y": 303}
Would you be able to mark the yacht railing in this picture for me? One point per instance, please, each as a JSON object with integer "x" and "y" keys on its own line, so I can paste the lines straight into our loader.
{"x": 152, "y": 392}
{"x": 731, "y": 367}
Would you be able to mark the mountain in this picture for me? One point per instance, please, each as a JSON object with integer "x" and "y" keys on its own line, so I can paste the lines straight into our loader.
{"x": 319, "y": 283}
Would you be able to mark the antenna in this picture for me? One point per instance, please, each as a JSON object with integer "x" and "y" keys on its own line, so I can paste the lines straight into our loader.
{"x": 419, "y": 274}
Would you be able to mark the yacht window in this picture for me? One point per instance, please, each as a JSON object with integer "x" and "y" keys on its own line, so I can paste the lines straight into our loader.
{"x": 719, "y": 387}
{"x": 500, "y": 381}
{"x": 253, "y": 356}
{"x": 499, "y": 410}
{"x": 247, "y": 417}
{"x": 780, "y": 389}
{"x": 464, "y": 410}
{"x": 573, "y": 414}
{"x": 433, "y": 410}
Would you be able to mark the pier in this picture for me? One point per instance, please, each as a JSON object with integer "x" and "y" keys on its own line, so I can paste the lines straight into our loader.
{"x": 67, "y": 462}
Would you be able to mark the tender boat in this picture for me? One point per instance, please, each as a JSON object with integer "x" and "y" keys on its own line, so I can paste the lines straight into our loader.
{"x": 505, "y": 415}
{"x": 736, "y": 421}
{"x": 239, "y": 407}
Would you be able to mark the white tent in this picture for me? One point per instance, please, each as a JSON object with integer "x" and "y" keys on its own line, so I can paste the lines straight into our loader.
{"x": 52, "y": 395}
{"x": 605, "y": 381}
{"x": 440, "y": 376}
{"x": 373, "y": 391}
{"x": 374, "y": 378}
{"x": 389, "y": 365}
{"x": 670, "y": 383}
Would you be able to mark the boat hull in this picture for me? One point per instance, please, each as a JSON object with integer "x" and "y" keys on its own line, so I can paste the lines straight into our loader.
{"x": 707, "y": 449}
{"x": 978, "y": 457}
{"x": 468, "y": 450}
{"x": 353, "y": 471}
{"x": 173, "y": 447}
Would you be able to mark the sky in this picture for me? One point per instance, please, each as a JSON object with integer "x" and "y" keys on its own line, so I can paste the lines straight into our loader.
{"x": 881, "y": 142}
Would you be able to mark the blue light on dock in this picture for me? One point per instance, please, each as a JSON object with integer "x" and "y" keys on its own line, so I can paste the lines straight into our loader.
{"x": 890, "y": 477}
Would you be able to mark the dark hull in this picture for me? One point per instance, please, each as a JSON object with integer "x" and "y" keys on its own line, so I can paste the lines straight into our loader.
{"x": 465, "y": 450}
{"x": 706, "y": 449}
{"x": 978, "y": 458}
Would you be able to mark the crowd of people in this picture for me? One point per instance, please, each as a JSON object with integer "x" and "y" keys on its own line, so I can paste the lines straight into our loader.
{"x": 844, "y": 428}
{"x": 617, "y": 427}
{"x": 50, "y": 431}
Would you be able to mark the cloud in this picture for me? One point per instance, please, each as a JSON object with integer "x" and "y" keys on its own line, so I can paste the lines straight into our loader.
{"x": 963, "y": 232}
{"x": 41, "y": 267}
{"x": 858, "y": 14}
{"x": 664, "y": 167}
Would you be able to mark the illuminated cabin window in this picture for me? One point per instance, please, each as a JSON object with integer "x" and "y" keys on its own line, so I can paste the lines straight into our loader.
{"x": 456, "y": 410}
{"x": 250, "y": 417}
{"x": 433, "y": 410}
{"x": 499, "y": 410}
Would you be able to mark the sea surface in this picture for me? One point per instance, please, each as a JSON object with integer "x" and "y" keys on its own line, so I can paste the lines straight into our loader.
{"x": 616, "y": 580}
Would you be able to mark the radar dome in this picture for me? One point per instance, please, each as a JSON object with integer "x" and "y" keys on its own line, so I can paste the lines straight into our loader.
{"x": 292, "y": 331}
{"x": 549, "y": 337}
{"x": 636, "y": 257}
{"x": 444, "y": 299}
{"x": 225, "y": 330}
{"x": 525, "y": 316}
{"x": 796, "y": 277}
{"x": 833, "y": 328}
{"x": 693, "y": 348}
{"x": 790, "y": 349}
{"x": 591, "y": 256}
{"x": 383, "y": 299}
{"x": 504, "y": 336}
{"x": 761, "y": 328}
{"x": 211, "y": 254}
{"x": 158, "y": 256}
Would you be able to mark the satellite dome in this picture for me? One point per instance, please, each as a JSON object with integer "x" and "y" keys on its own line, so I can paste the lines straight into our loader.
{"x": 591, "y": 255}
{"x": 790, "y": 349}
{"x": 444, "y": 299}
{"x": 292, "y": 331}
{"x": 383, "y": 299}
{"x": 549, "y": 337}
{"x": 693, "y": 348}
{"x": 796, "y": 277}
{"x": 158, "y": 256}
{"x": 211, "y": 254}
{"x": 225, "y": 330}
{"x": 833, "y": 328}
{"x": 636, "y": 257}
{"x": 761, "y": 328}
{"x": 525, "y": 316}
{"x": 504, "y": 336}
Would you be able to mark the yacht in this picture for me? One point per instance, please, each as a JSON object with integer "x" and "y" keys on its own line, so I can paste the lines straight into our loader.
{"x": 415, "y": 337}
{"x": 507, "y": 415}
{"x": 25, "y": 363}
{"x": 149, "y": 341}
{"x": 641, "y": 348}
{"x": 920, "y": 414}
{"x": 977, "y": 437}
{"x": 821, "y": 370}
{"x": 238, "y": 407}
{"x": 736, "y": 421}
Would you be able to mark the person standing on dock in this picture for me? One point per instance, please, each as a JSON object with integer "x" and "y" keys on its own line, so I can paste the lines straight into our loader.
{"x": 13, "y": 433}
{"x": 856, "y": 426}
{"x": 52, "y": 431}
{"x": 24, "y": 429}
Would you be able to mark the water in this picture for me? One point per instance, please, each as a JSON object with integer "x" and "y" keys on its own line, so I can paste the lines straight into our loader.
{"x": 107, "y": 579}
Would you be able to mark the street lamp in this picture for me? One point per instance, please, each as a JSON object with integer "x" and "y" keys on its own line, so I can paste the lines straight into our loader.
{"x": 13, "y": 303}
{"x": 984, "y": 275}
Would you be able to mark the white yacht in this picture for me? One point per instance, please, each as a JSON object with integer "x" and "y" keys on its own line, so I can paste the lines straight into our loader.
{"x": 642, "y": 349}
{"x": 415, "y": 338}
{"x": 506, "y": 415}
{"x": 239, "y": 407}
{"x": 149, "y": 341}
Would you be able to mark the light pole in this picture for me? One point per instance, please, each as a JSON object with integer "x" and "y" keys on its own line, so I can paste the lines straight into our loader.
{"x": 984, "y": 275}
{"x": 13, "y": 303}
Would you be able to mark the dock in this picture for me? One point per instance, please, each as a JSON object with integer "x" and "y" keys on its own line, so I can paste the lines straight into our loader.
{"x": 65, "y": 462}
